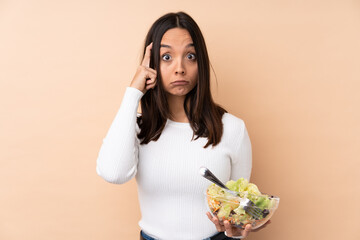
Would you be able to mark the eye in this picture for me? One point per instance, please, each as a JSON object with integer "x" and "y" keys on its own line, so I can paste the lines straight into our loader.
{"x": 166, "y": 57}
{"x": 191, "y": 56}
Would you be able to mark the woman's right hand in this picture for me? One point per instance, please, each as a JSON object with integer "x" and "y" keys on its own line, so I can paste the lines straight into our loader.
{"x": 145, "y": 77}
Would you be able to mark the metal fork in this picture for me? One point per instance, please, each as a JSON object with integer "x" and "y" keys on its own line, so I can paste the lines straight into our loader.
{"x": 249, "y": 207}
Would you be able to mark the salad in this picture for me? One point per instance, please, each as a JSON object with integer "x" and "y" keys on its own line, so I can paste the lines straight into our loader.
{"x": 227, "y": 206}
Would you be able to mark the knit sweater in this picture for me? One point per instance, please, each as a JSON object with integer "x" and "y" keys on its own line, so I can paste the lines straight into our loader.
{"x": 171, "y": 191}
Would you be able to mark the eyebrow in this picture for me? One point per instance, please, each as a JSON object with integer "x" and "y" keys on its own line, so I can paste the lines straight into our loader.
{"x": 168, "y": 46}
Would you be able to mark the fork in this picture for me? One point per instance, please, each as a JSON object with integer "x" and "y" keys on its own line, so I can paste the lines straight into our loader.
{"x": 249, "y": 207}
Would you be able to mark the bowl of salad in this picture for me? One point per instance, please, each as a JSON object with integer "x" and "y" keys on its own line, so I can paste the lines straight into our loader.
{"x": 227, "y": 206}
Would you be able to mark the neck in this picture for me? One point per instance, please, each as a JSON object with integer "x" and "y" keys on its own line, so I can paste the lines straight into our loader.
{"x": 176, "y": 107}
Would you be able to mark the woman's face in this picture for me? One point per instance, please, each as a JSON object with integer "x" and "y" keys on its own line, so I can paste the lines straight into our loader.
{"x": 178, "y": 62}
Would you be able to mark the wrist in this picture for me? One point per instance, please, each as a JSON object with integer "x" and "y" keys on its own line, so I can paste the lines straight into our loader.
{"x": 136, "y": 87}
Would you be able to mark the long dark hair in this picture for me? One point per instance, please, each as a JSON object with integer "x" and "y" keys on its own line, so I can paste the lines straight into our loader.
{"x": 203, "y": 114}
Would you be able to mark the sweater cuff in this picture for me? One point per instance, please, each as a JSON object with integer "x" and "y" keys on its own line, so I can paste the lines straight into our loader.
{"x": 134, "y": 93}
{"x": 130, "y": 101}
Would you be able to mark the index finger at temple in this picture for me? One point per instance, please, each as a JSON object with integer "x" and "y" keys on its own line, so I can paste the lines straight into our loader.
{"x": 146, "y": 60}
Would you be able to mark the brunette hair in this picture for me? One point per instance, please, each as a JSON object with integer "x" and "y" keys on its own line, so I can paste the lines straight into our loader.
{"x": 203, "y": 114}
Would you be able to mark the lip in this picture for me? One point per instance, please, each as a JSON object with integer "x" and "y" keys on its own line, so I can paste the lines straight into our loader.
{"x": 180, "y": 82}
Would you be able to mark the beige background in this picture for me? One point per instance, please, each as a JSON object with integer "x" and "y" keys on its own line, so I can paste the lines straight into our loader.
{"x": 290, "y": 69}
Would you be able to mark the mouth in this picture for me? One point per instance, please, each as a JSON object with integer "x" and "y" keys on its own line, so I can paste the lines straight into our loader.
{"x": 180, "y": 82}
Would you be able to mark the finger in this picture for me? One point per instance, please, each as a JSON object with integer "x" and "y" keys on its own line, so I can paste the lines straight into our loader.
{"x": 246, "y": 231}
{"x": 217, "y": 224}
{"x": 146, "y": 60}
{"x": 228, "y": 228}
{"x": 151, "y": 70}
{"x": 150, "y": 81}
{"x": 209, "y": 216}
{"x": 215, "y": 221}
{"x": 149, "y": 75}
{"x": 149, "y": 86}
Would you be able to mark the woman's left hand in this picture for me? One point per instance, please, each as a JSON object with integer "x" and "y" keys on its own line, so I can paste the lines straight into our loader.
{"x": 230, "y": 230}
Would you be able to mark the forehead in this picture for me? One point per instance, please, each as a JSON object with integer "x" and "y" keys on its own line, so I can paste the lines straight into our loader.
{"x": 176, "y": 36}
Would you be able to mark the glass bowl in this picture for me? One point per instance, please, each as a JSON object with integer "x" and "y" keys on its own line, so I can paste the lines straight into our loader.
{"x": 227, "y": 207}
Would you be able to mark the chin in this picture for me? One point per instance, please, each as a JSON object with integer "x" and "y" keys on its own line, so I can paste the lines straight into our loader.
{"x": 180, "y": 92}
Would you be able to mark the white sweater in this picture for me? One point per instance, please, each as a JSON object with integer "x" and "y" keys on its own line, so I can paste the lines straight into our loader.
{"x": 171, "y": 190}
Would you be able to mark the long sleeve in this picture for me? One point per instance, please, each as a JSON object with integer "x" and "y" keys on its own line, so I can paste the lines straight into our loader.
{"x": 242, "y": 159}
{"x": 167, "y": 170}
{"x": 118, "y": 156}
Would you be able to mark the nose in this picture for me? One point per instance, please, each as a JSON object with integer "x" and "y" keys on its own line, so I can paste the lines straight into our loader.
{"x": 180, "y": 68}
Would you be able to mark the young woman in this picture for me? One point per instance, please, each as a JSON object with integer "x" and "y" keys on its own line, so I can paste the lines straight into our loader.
{"x": 180, "y": 129}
